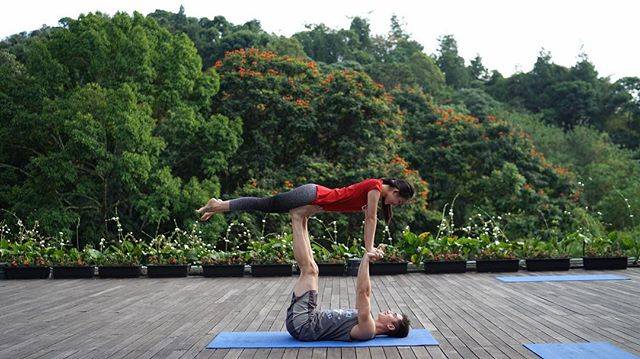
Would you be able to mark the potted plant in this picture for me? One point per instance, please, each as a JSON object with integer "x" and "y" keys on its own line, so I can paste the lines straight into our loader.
{"x": 273, "y": 257}
{"x": 26, "y": 261}
{"x": 169, "y": 257}
{"x": 331, "y": 262}
{"x": 603, "y": 252}
{"x": 496, "y": 256}
{"x": 4, "y": 247}
{"x": 121, "y": 259}
{"x": 68, "y": 263}
{"x": 444, "y": 255}
{"x": 631, "y": 243}
{"x": 393, "y": 262}
{"x": 24, "y": 254}
{"x": 355, "y": 252}
{"x": 228, "y": 261}
{"x": 548, "y": 255}
{"x": 223, "y": 264}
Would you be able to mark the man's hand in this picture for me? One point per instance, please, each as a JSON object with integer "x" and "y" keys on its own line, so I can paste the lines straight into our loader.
{"x": 377, "y": 253}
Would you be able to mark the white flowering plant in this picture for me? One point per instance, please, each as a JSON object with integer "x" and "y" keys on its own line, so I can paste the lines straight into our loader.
{"x": 62, "y": 252}
{"x": 25, "y": 248}
{"x": 392, "y": 254}
{"x": 277, "y": 250}
{"x": 494, "y": 249}
{"x": 214, "y": 257}
{"x": 447, "y": 248}
{"x": 23, "y": 254}
{"x": 599, "y": 246}
{"x": 337, "y": 253}
{"x": 552, "y": 248}
{"x": 126, "y": 252}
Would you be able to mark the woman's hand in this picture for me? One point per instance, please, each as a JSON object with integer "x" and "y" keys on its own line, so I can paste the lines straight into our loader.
{"x": 377, "y": 253}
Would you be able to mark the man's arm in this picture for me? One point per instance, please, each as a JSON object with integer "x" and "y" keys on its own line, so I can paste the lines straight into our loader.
{"x": 371, "y": 219}
{"x": 366, "y": 327}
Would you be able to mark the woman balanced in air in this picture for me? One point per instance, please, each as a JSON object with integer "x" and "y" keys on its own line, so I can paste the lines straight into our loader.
{"x": 308, "y": 199}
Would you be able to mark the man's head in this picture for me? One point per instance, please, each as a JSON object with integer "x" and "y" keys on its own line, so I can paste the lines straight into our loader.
{"x": 395, "y": 324}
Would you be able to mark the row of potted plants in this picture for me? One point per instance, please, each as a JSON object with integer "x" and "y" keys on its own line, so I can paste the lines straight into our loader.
{"x": 449, "y": 254}
{"x": 29, "y": 255}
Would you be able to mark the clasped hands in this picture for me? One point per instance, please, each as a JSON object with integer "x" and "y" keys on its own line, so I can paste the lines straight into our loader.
{"x": 377, "y": 252}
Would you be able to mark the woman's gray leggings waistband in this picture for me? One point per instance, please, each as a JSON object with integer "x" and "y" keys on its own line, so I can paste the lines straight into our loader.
{"x": 278, "y": 203}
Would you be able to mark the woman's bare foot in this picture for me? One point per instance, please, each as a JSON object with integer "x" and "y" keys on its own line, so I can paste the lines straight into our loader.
{"x": 212, "y": 207}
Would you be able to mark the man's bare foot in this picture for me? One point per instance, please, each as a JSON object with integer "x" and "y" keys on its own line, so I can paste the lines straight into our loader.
{"x": 213, "y": 206}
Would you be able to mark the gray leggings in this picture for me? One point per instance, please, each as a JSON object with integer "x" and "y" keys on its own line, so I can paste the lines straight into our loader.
{"x": 278, "y": 203}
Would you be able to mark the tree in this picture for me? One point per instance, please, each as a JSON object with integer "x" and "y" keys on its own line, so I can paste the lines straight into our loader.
{"x": 109, "y": 115}
{"x": 451, "y": 64}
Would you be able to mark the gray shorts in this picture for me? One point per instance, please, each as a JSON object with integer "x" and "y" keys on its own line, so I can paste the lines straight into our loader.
{"x": 302, "y": 316}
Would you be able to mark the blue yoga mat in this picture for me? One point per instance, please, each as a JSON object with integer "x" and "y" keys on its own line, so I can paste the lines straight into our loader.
{"x": 597, "y": 350}
{"x": 229, "y": 340}
{"x": 560, "y": 278}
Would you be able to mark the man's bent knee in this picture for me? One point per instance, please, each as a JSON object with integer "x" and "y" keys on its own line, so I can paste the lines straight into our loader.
{"x": 310, "y": 268}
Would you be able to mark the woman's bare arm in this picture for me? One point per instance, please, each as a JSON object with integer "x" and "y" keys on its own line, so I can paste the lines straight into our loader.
{"x": 371, "y": 219}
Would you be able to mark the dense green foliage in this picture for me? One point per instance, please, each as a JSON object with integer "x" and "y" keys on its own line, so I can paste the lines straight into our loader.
{"x": 145, "y": 118}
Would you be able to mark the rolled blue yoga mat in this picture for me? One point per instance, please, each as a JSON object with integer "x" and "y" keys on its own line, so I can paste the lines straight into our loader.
{"x": 237, "y": 340}
{"x": 560, "y": 278}
{"x": 596, "y": 350}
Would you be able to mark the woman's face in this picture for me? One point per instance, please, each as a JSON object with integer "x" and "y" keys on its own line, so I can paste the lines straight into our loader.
{"x": 393, "y": 197}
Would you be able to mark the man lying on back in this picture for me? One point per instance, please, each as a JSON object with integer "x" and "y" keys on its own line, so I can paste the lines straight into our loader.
{"x": 307, "y": 323}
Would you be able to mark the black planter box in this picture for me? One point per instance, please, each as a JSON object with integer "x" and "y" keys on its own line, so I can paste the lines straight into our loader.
{"x": 2, "y": 267}
{"x": 70, "y": 272}
{"x": 223, "y": 270}
{"x": 37, "y": 272}
{"x": 352, "y": 266}
{"x": 604, "y": 262}
{"x": 271, "y": 270}
{"x": 497, "y": 265}
{"x": 167, "y": 270}
{"x": 331, "y": 269}
{"x": 118, "y": 271}
{"x": 379, "y": 268}
{"x": 543, "y": 264}
{"x": 435, "y": 267}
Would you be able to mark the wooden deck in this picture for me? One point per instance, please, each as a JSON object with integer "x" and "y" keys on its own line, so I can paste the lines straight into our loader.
{"x": 471, "y": 315}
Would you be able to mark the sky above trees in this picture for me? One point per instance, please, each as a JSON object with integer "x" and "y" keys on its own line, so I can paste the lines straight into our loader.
{"x": 507, "y": 35}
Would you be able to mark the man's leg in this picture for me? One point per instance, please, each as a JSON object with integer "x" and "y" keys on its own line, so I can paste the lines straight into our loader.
{"x": 302, "y": 252}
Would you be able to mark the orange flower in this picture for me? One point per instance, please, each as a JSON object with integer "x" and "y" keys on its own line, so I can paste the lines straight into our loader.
{"x": 560, "y": 170}
{"x": 575, "y": 196}
{"x": 288, "y": 184}
{"x": 302, "y": 103}
{"x": 328, "y": 79}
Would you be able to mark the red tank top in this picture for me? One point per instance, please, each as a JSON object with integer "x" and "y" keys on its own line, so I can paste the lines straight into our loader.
{"x": 352, "y": 198}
